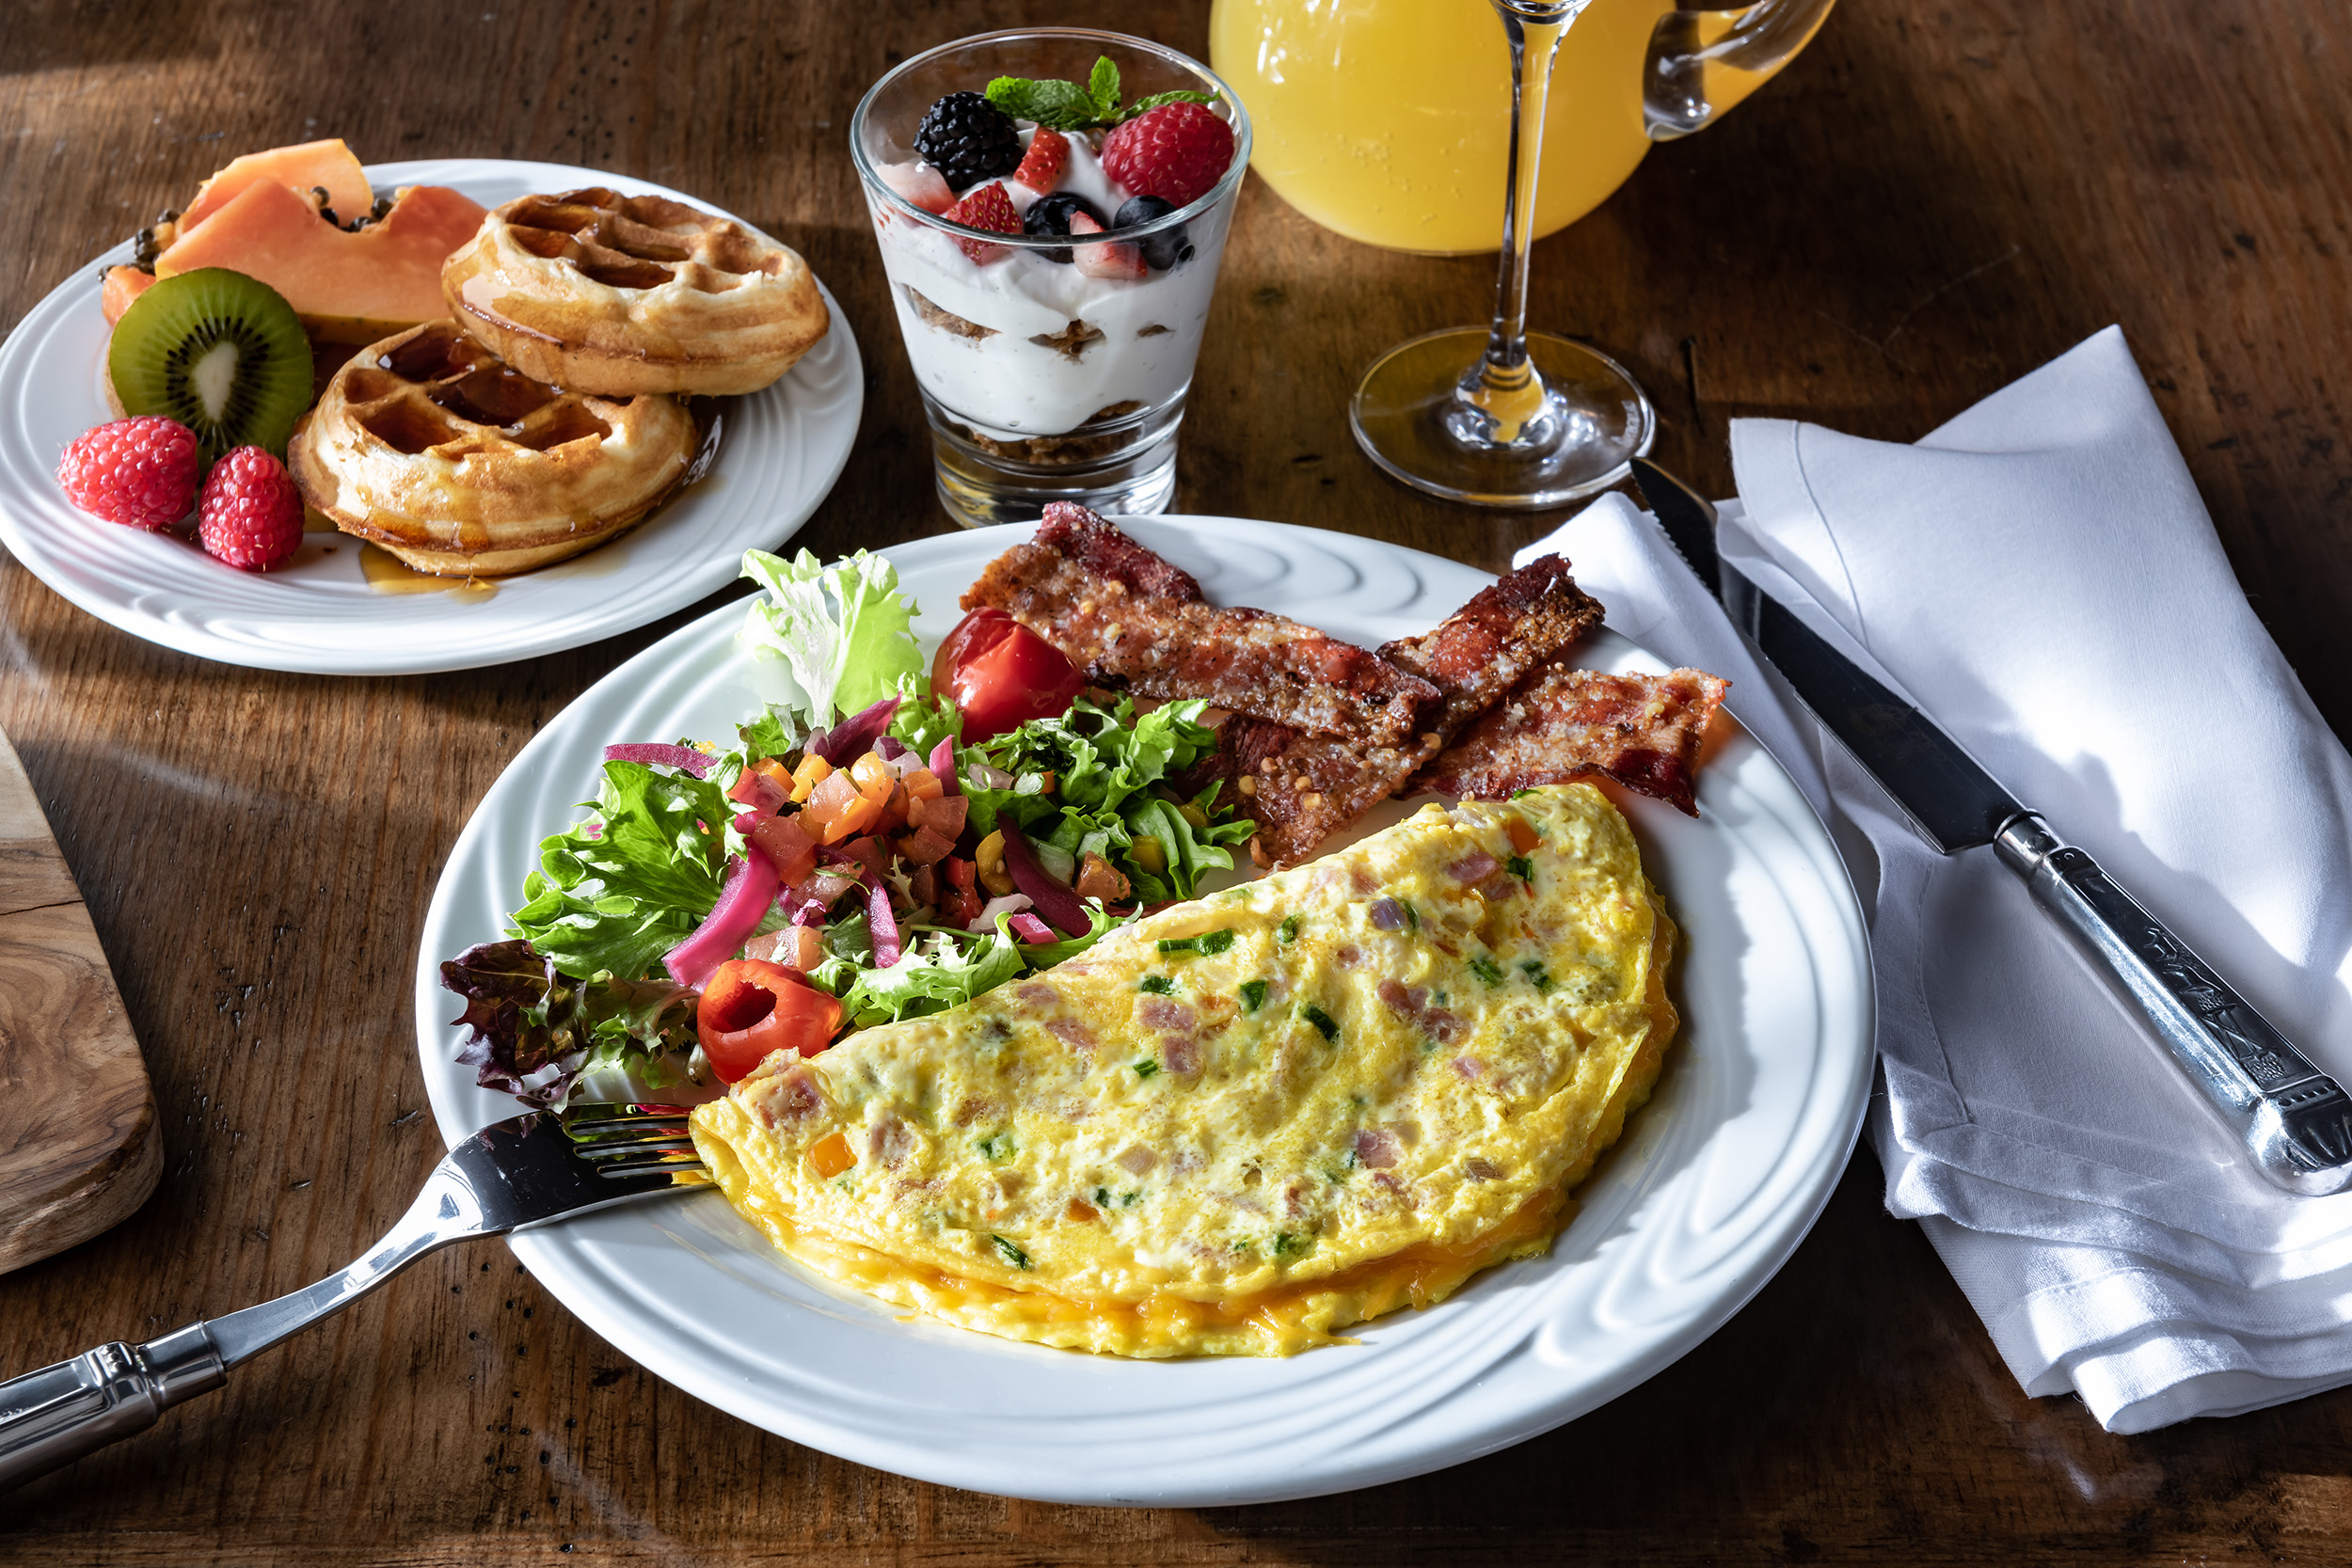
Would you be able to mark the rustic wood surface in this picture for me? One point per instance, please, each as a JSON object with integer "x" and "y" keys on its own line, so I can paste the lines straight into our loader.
{"x": 78, "y": 1142}
{"x": 1934, "y": 201}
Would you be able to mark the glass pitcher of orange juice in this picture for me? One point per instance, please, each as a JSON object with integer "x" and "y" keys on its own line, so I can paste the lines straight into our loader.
{"x": 1388, "y": 120}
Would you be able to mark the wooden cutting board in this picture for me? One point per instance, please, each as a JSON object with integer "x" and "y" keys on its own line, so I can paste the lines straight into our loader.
{"x": 78, "y": 1144}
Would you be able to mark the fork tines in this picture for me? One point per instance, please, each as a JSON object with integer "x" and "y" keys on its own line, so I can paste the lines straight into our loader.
{"x": 632, "y": 1140}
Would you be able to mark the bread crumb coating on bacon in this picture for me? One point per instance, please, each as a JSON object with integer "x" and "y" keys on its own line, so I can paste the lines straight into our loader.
{"x": 1642, "y": 731}
{"x": 1135, "y": 623}
{"x": 1298, "y": 788}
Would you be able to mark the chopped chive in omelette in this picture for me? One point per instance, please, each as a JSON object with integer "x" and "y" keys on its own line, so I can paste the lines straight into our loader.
{"x": 1325, "y": 1024}
{"x": 1521, "y": 868}
{"x": 1014, "y": 1254}
{"x": 1145, "y": 1069}
{"x": 1252, "y": 995}
{"x": 1206, "y": 943}
{"x": 1487, "y": 970}
{"x": 997, "y": 1146}
{"x": 1289, "y": 931}
{"x": 1158, "y": 985}
{"x": 1537, "y": 973}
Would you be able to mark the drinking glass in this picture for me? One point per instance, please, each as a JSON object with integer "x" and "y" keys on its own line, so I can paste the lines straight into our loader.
{"x": 1041, "y": 384}
{"x": 1498, "y": 416}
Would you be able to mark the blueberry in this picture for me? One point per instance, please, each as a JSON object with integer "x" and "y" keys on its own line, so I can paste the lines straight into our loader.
{"x": 1162, "y": 250}
{"x": 1050, "y": 214}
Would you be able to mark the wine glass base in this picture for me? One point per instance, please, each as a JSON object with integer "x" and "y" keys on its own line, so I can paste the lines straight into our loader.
{"x": 1595, "y": 419}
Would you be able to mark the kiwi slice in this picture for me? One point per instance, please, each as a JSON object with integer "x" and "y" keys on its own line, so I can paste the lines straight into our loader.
{"x": 222, "y": 353}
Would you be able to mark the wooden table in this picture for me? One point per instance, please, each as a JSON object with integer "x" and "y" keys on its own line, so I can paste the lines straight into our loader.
{"x": 1932, "y": 202}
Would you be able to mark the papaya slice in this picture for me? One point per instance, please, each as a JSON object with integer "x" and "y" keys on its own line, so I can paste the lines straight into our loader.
{"x": 123, "y": 285}
{"x": 311, "y": 165}
{"x": 347, "y": 288}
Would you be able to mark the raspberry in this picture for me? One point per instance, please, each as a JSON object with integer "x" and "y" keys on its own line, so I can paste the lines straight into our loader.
{"x": 987, "y": 208}
{"x": 1177, "y": 151}
{"x": 251, "y": 514}
{"x": 140, "y": 472}
{"x": 1048, "y": 151}
{"x": 968, "y": 139}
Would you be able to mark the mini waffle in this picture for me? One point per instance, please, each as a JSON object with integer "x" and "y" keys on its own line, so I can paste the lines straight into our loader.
{"x": 618, "y": 295}
{"x": 461, "y": 465}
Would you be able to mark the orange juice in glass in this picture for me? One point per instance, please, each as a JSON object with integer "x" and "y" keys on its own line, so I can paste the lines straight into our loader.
{"x": 1386, "y": 121}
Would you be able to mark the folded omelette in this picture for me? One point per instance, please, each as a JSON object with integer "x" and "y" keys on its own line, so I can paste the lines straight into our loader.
{"x": 1244, "y": 1122}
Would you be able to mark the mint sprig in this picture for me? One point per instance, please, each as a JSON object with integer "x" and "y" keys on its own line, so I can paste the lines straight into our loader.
{"x": 1067, "y": 106}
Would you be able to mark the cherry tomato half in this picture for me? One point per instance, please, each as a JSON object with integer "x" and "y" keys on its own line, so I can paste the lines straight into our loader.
{"x": 752, "y": 1007}
{"x": 1001, "y": 674}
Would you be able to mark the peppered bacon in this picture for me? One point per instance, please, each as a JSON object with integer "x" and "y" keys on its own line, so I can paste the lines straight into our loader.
{"x": 1642, "y": 731}
{"x": 1298, "y": 788}
{"x": 1132, "y": 621}
{"x": 1485, "y": 648}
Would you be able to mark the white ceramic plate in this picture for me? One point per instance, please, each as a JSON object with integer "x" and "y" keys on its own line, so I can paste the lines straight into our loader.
{"x": 780, "y": 451}
{"x": 1716, "y": 1183}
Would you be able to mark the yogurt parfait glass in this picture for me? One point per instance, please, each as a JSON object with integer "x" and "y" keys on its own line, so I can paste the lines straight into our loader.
{"x": 1047, "y": 373}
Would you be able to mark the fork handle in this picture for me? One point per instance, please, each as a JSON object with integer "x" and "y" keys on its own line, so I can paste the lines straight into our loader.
{"x": 58, "y": 1414}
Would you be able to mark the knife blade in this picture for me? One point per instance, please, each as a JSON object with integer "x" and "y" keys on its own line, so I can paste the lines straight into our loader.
{"x": 2294, "y": 1120}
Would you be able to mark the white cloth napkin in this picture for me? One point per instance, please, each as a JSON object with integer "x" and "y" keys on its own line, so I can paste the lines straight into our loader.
{"x": 2040, "y": 578}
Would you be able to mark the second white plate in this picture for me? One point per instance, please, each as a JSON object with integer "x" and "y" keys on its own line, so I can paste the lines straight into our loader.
{"x": 1715, "y": 1183}
{"x": 781, "y": 449}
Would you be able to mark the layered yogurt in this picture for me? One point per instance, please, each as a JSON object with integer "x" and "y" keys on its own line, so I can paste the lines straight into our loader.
{"x": 1020, "y": 346}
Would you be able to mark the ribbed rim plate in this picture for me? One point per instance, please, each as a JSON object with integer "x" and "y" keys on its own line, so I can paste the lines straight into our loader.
{"x": 1714, "y": 1185}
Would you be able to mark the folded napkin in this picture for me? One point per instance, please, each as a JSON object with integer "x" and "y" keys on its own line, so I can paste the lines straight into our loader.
{"x": 2040, "y": 578}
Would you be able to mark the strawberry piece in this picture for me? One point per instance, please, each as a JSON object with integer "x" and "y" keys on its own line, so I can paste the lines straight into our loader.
{"x": 990, "y": 209}
{"x": 1104, "y": 258}
{"x": 140, "y": 472}
{"x": 1049, "y": 149}
{"x": 919, "y": 184}
{"x": 251, "y": 514}
{"x": 1177, "y": 151}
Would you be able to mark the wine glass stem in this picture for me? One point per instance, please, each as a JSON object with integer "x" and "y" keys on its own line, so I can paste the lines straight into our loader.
{"x": 1507, "y": 387}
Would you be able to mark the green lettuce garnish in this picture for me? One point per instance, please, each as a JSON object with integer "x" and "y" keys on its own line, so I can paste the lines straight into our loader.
{"x": 842, "y": 632}
{"x": 535, "y": 1033}
{"x": 1110, "y": 768}
{"x": 932, "y": 976}
{"x": 619, "y": 890}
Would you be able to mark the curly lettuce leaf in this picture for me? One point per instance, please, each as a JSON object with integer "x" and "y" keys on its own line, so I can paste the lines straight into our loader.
{"x": 841, "y": 634}
{"x": 931, "y": 977}
{"x": 617, "y": 891}
{"x": 922, "y": 721}
{"x": 534, "y": 1032}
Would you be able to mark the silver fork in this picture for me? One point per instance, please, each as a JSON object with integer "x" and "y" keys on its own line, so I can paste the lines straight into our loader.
{"x": 511, "y": 1175}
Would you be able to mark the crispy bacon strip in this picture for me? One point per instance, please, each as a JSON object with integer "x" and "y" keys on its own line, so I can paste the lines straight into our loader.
{"x": 1298, "y": 788}
{"x": 1132, "y": 621}
{"x": 1642, "y": 731}
{"x": 1487, "y": 646}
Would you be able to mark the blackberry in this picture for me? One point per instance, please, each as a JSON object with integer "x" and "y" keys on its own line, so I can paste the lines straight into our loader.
{"x": 1163, "y": 251}
{"x": 968, "y": 139}
{"x": 1050, "y": 214}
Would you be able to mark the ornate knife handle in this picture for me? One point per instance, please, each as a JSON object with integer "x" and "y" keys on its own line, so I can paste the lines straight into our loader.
{"x": 58, "y": 1414}
{"x": 2295, "y": 1118}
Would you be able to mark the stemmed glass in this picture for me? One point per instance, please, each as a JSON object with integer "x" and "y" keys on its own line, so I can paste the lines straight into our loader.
{"x": 1500, "y": 415}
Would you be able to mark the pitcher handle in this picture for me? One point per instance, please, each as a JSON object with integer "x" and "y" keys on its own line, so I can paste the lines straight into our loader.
{"x": 1744, "y": 47}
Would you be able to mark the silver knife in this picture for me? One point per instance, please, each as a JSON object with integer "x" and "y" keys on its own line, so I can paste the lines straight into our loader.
{"x": 2295, "y": 1119}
